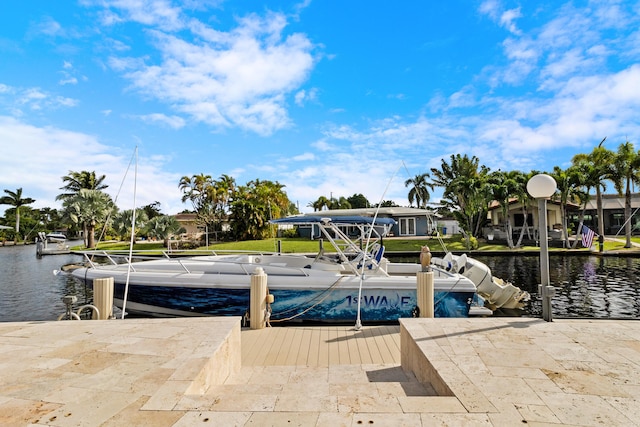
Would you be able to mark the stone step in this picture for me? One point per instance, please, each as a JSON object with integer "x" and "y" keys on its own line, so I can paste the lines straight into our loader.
{"x": 337, "y": 388}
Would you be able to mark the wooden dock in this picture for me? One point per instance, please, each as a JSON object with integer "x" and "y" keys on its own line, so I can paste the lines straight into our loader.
{"x": 321, "y": 346}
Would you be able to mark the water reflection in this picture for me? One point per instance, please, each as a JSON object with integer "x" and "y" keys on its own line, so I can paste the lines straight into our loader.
{"x": 28, "y": 289}
{"x": 586, "y": 286}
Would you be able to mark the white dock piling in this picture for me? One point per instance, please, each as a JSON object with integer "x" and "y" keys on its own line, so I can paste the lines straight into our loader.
{"x": 258, "y": 299}
{"x": 425, "y": 293}
{"x": 103, "y": 297}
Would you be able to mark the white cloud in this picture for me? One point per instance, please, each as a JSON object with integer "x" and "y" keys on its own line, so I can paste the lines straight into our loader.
{"x": 156, "y": 13}
{"x": 322, "y": 145}
{"x": 304, "y": 96}
{"x": 68, "y": 81}
{"x": 49, "y": 27}
{"x": 516, "y": 132}
{"x": 465, "y": 97}
{"x": 68, "y": 74}
{"x": 174, "y": 122}
{"x": 240, "y": 78}
{"x": 17, "y": 100}
{"x": 304, "y": 157}
{"x": 53, "y": 152}
{"x": 491, "y": 8}
{"x": 507, "y": 20}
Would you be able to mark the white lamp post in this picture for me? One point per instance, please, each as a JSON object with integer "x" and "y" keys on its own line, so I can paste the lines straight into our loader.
{"x": 542, "y": 187}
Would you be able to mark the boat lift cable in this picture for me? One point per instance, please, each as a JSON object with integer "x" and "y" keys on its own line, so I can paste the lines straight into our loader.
{"x": 133, "y": 229}
{"x": 358, "y": 324}
{"x": 625, "y": 223}
{"x": 445, "y": 294}
{"x": 115, "y": 200}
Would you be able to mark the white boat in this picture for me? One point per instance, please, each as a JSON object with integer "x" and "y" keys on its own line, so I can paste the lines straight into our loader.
{"x": 56, "y": 238}
{"x": 328, "y": 287}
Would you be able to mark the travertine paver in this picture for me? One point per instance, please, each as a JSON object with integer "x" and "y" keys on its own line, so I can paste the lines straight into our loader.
{"x": 531, "y": 371}
{"x": 101, "y": 372}
{"x": 166, "y": 372}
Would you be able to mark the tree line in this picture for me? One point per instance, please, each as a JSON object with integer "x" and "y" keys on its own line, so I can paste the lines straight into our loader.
{"x": 470, "y": 188}
{"x": 242, "y": 212}
{"x": 86, "y": 207}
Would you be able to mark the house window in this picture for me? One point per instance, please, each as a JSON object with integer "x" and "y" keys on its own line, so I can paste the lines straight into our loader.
{"x": 518, "y": 220}
{"x": 407, "y": 226}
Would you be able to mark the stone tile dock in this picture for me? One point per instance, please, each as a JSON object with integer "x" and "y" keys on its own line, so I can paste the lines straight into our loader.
{"x": 422, "y": 372}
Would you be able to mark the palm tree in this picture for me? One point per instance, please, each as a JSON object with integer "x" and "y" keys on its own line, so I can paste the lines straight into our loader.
{"x": 152, "y": 210}
{"x": 122, "y": 222}
{"x": 601, "y": 160}
{"x": 254, "y": 205}
{"x": 164, "y": 227}
{"x": 359, "y": 201}
{"x": 466, "y": 191}
{"x": 247, "y": 215}
{"x": 340, "y": 203}
{"x": 194, "y": 189}
{"x": 627, "y": 173}
{"x": 586, "y": 172}
{"x": 226, "y": 187}
{"x": 89, "y": 208}
{"x": 569, "y": 181}
{"x": 319, "y": 204}
{"x": 15, "y": 199}
{"x": 506, "y": 186}
{"x": 76, "y": 181}
{"x": 524, "y": 199}
{"x": 200, "y": 191}
{"x": 419, "y": 190}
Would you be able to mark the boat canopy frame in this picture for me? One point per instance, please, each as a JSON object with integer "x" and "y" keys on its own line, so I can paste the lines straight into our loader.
{"x": 332, "y": 229}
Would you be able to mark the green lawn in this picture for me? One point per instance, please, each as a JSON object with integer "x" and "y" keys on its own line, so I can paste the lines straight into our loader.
{"x": 297, "y": 245}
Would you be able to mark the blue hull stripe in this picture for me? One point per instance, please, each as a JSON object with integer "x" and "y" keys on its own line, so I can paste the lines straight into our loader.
{"x": 328, "y": 305}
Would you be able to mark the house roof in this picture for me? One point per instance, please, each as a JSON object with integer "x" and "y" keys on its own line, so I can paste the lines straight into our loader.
{"x": 609, "y": 202}
{"x": 496, "y": 205}
{"x": 396, "y": 212}
{"x": 613, "y": 201}
{"x": 185, "y": 216}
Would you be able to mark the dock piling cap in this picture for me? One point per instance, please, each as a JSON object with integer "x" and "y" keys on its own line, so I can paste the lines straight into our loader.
{"x": 69, "y": 299}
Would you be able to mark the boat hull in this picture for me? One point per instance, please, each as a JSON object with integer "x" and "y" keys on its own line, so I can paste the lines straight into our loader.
{"x": 323, "y": 298}
{"x": 339, "y": 305}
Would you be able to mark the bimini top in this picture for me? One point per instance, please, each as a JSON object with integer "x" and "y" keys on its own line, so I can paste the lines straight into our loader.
{"x": 356, "y": 220}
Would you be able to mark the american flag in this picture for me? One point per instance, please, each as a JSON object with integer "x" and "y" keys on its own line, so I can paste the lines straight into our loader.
{"x": 587, "y": 236}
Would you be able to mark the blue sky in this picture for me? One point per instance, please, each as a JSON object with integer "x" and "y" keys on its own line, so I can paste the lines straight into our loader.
{"x": 326, "y": 97}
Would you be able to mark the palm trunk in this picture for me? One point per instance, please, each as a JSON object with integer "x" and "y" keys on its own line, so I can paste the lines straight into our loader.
{"x": 600, "y": 216}
{"x": 565, "y": 229}
{"x": 85, "y": 231}
{"x": 91, "y": 239}
{"x": 525, "y": 225}
{"x": 17, "y": 236}
{"x": 579, "y": 230}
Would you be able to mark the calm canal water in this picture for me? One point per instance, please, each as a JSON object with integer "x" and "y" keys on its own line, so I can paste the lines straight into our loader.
{"x": 587, "y": 286}
{"x": 28, "y": 289}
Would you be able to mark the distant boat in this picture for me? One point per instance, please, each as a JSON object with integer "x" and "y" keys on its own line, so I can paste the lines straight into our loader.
{"x": 56, "y": 238}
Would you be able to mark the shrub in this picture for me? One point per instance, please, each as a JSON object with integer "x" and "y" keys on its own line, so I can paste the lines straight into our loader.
{"x": 473, "y": 243}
